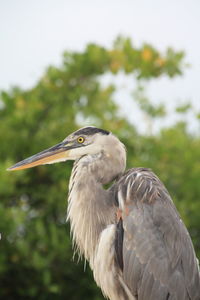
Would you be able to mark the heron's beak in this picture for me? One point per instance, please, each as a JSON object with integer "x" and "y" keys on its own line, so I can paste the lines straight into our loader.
{"x": 57, "y": 153}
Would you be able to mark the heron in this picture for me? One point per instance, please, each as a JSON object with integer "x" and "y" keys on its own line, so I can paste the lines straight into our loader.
{"x": 131, "y": 232}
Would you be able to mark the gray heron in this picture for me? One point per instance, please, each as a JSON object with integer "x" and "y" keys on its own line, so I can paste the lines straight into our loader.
{"x": 131, "y": 233}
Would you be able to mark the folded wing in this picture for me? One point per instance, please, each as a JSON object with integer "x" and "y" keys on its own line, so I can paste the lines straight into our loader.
{"x": 159, "y": 261}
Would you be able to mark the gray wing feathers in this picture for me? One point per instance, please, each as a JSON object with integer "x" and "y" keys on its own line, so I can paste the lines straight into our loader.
{"x": 158, "y": 255}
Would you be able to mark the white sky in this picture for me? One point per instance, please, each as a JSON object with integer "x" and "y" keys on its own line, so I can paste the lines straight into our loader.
{"x": 34, "y": 34}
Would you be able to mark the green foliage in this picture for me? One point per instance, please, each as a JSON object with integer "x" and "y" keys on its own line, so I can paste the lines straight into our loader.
{"x": 152, "y": 111}
{"x": 35, "y": 254}
{"x": 183, "y": 108}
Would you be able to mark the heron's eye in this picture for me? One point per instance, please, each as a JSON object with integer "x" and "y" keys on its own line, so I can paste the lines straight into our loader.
{"x": 80, "y": 139}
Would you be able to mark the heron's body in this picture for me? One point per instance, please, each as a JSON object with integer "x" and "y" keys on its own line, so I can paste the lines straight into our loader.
{"x": 131, "y": 233}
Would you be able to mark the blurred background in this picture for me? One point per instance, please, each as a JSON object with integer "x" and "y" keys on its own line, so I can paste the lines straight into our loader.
{"x": 129, "y": 66}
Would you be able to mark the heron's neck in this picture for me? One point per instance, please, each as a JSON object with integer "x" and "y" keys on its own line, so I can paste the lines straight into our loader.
{"x": 90, "y": 207}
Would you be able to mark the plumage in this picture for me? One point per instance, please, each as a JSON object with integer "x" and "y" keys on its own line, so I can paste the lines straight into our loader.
{"x": 156, "y": 242}
{"x": 131, "y": 233}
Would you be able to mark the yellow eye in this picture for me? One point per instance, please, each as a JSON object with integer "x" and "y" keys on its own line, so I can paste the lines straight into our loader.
{"x": 80, "y": 139}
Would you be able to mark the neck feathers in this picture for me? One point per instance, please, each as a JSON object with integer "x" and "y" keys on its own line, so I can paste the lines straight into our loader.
{"x": 91, "y": 208}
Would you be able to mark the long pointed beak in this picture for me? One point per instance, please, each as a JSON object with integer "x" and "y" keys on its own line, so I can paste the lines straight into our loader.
{"x": 57, "y": 153}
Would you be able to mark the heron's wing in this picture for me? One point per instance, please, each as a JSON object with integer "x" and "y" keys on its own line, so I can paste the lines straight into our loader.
{"x": 157, "y": 256}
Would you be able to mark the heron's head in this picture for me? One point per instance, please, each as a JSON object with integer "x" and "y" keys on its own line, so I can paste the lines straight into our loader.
{"x": 85, "y": 141}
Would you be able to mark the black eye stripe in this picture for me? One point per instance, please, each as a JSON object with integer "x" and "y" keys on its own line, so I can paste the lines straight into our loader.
{"x": 90, "y": 131}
